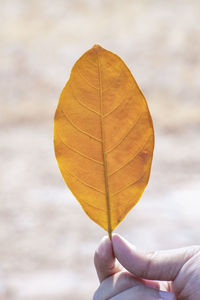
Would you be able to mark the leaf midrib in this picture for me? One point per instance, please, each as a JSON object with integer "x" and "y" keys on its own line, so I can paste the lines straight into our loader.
{"x": 103, "y": 149}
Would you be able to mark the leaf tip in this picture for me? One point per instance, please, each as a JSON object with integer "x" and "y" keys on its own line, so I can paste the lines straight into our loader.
{"x": 96, "y": 47}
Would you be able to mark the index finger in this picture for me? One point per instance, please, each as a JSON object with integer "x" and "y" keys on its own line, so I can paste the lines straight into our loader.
{"x": 104, "y": 260}
{"x": 162, "y": 265}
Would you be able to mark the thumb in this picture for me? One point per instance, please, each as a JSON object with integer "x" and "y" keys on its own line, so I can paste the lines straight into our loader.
{"x": 155, "y": 265}
{"x": 104, "y": 260}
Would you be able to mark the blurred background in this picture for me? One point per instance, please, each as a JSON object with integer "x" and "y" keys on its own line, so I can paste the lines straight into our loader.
{"x": 46, "y": 240}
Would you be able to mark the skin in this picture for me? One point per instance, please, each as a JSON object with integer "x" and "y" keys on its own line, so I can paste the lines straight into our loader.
{"x": 127, "y": 273}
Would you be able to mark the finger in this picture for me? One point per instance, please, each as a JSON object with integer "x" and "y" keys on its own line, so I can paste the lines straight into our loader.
{"x": 144, "y": 293}
{"x": 116, "y": 284}
{"x": 156, "y": 265}
{"x": 121, "y": 281}
{"x": 104, "y": 260}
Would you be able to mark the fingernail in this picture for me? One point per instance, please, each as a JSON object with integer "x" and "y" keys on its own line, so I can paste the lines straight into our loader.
{"x": 101, "y": 250}
{"x": 166, "y": 296}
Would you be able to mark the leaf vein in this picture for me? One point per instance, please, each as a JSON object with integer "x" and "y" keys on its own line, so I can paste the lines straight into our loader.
{"x": 117, "y": 106}
{"x": 90, "y": 61}
{"x": 130, "y": 160}
{"x": 123, "y": 138}
{"x": 107, "y": 194}
{"x": 91, "y": 85}
{"x": 77, "y": 128}
{"x": 89, "y": 204}
{"x": 127, "y": 186}
{"x": 83, "y": 182}
{"x": 108, "y": 88}
{"x": 81, "y": 103}
{"x": 80, "y": 153}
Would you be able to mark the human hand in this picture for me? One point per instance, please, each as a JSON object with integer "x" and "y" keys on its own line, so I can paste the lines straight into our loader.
{"x": 139, "y": 275}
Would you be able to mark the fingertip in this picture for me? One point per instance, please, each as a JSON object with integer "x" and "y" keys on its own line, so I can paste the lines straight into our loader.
{"x": 104, "y": 247}
{"x": 117, "y": 240}
{"x": 116, "y": 236}
{"x": 120, "y": 243}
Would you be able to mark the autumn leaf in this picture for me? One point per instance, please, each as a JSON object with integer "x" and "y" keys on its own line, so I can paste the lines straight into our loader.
{"x": 103, "y": 137}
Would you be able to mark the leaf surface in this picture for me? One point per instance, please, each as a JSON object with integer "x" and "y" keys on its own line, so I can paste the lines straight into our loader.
{"x": 103, "y": 137}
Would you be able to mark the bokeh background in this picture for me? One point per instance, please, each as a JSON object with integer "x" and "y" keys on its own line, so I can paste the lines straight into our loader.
{"x": 46, "y": 240}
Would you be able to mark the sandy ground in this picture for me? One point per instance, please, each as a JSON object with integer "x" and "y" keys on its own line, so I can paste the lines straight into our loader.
{"x": 46, "y": 240}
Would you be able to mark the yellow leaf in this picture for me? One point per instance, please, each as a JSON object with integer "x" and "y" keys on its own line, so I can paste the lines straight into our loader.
{"x": 103, "y": 137}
